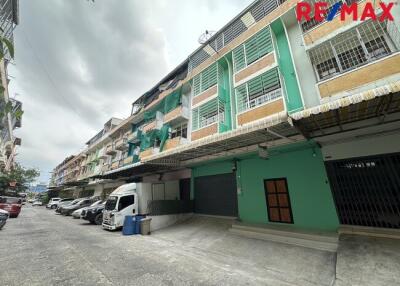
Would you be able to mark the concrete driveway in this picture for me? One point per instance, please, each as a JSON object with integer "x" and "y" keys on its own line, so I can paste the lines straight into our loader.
{"x": 41, "y": 248}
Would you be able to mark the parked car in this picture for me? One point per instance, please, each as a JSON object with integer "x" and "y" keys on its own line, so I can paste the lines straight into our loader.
{"x": 53, "y": 203}
{"x": 77, "y": 214}
{"x": 31, "y": 200}
{"x": 84, "y": 202}
{"x": 61, "y": 205}
{"x": 94, "y": 213}
{"x": 37, "y": 203}
{"x": 3, "y": 217}
{"x": 11, "y": 205}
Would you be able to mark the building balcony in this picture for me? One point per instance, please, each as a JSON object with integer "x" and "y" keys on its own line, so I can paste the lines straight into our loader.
{"x": 105, "y": 168}
{"x": 134, "y": 137}
{"x": 176, "y": 116}
{"x": 121, "y": 144}
{"x": 128, "y": 160}
{"x": 110, "y": 150}
{"x": 115, "y": 165}
{"x": 148, "y": 152}
{"x": 174, "y": 142}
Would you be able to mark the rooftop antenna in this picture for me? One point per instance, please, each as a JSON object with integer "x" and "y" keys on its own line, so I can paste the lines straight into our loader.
{"x": 205, "y": 37}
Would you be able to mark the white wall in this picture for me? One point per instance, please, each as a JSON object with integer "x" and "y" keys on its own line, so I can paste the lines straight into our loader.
{"x": 304, "y": 69}
{"x": 362, "y": 147}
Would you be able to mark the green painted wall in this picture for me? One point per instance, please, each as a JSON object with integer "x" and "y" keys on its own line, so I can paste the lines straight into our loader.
{"x": 286, "y": 67}
{"x": 309, "y": 190}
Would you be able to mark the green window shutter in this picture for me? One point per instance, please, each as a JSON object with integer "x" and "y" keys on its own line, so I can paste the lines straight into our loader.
{"x": 254, "y": 89}
{"x": 241, "y": 97}
{"x": 209, "y": 77}
{"x": 196, "y": 85}
{"x": 195, "y": 119}
{"x": 271, "y": 80}
{"x": 258, "y": 46}
{"x": 208, "y": 113}
{"x": 239, "y": 61}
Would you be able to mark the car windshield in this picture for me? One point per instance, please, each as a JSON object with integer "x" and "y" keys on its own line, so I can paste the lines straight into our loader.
{"x": 75, "y": 202}
{"x": 96, "y": 203}
{"x": 111, "y": 203}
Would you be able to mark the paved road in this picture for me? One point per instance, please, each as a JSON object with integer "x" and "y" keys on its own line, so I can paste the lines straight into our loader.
{"x": 41, "y": 248}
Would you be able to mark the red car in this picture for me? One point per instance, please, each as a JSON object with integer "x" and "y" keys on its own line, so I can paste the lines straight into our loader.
{"x": 12, "y": 205}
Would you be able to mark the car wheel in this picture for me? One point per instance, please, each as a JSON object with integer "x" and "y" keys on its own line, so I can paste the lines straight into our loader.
{"x": 98, "y": 219}
{"x": 53, "y": 207}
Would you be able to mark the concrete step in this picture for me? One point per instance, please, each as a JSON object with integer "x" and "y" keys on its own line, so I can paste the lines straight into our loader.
{"x": 370, "y": 231}
{"x": 311, "y": 239}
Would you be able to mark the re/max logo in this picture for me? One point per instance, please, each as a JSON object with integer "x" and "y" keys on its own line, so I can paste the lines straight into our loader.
{"x": 322, "y": 11}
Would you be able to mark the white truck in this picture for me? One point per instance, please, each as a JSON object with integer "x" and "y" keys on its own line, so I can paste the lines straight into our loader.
{"x": 133, "y": 199}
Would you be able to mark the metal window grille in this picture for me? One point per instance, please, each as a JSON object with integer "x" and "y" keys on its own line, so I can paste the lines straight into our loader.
{"x": 207, "y": 114}
{"x": 205, "y": 79}
{"x": 259, "y": 10}
{"x": 356, "y": 47}
{"x": 254, "y": 48}
{"x": 259, "y": 90}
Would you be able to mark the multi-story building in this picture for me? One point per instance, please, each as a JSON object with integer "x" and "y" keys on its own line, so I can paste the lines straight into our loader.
{"x": 276, "y": 121}
{"x": 10, "y": 109}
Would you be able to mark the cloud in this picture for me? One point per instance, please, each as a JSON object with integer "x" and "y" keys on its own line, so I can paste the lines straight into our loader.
{"x": 78, "y": 63}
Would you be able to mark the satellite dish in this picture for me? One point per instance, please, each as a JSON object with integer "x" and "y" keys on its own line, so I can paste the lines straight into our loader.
{"x": 205, "y": 37}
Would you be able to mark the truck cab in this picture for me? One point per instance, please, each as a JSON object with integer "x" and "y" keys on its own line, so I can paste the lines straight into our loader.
{"x": 121, "y": 202}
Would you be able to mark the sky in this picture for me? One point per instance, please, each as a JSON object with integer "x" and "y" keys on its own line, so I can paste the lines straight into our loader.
{"x": 78, "y": 63}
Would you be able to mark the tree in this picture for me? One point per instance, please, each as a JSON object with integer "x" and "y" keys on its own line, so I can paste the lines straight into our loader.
{"x": 18, "y": 178}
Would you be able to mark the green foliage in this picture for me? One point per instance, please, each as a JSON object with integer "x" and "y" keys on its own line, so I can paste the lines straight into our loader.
{"x": 21, "y": 175}
{"x": 45, "y": 199}
{"x": 8, "y": 107}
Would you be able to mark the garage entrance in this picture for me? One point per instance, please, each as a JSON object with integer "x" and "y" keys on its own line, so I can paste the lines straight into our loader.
{"x": 216, "y": 195}
{"x": 367, "y": 190}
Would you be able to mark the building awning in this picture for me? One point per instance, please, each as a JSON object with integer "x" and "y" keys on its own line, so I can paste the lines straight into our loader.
{"x": 136, "y": 170}
{"x": 379, "y": 104}
{"x": 274, "y": 128}
{"x": 76, "y": 183}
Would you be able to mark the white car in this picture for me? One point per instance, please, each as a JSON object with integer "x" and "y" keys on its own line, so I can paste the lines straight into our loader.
{"x": 37, "y": 203}
{"x": 53, "y": 203}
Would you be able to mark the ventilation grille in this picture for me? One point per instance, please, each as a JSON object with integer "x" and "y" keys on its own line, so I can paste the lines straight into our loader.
{"x": 259, "y": 10}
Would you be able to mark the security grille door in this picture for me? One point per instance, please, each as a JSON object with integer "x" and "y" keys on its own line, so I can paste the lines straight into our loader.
{"x": 216, "y": 195}
{"x": 367, "y": 190}
{"x": 278, "y": 201}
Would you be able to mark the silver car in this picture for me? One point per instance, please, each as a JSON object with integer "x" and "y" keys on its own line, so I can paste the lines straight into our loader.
{"x": 3, "y": 217}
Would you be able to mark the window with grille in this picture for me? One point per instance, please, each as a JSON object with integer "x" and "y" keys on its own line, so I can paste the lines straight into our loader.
{"x": 363, "y": 44}
{"x": 278, "y": 200}
{"x": 179, "y": 131}
{"x": 258, "y": 10}
{"x": 205, "y": 79}
{"x": 259, "y": 90}
{"x": 254, "y": 48}
{"x": 206, "y": 114}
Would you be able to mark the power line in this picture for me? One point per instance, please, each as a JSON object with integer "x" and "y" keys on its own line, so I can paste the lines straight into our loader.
{"x": 38, "y": 60}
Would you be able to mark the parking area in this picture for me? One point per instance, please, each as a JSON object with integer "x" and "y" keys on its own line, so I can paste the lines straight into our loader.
{"x": 41, "y": 248}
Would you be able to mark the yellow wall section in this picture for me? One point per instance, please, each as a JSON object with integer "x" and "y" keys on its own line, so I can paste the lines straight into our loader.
{"x": 172, "y": 143}
{"x": 261, "y": 112}
{"x": 268, "y": 60}
{"x": 204, "y": 132}
{"x": 364, "y": 75}
{"x": 206, "y": 94}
